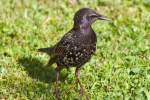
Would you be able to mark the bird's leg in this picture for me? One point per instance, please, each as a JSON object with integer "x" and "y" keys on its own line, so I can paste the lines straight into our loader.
{"x": 57, "y": 91}
{"x": 77, "y": 73}
{"x": 82, "y": 92}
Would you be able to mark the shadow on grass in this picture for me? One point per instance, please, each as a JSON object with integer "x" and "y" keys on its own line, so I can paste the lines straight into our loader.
{"x": 37, "y": 70}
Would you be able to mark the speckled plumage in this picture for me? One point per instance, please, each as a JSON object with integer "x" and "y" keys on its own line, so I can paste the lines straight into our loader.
{"x": 77, "y": 46}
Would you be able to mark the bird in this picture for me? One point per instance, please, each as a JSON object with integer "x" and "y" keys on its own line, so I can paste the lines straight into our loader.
{"x": 77, "y": 46}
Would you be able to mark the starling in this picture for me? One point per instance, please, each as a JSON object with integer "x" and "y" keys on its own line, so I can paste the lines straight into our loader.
{"x": 77, "y": 46}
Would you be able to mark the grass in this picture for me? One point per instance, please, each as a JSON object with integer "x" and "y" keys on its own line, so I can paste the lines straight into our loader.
{"x": 119, "y": 70}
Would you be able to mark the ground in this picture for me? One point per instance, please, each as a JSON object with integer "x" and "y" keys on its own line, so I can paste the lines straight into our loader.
{"x": 119, "y": 70}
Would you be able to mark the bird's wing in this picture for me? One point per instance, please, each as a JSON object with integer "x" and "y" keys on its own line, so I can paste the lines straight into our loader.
{"x": 64, "y": 43}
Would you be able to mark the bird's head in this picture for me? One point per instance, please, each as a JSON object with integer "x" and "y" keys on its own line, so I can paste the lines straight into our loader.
{"x": 85, "y": 17}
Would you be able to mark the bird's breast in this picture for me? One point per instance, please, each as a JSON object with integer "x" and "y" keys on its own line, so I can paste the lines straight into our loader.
{"x": 80, "y": 47}
{"x": 77, "y": 55}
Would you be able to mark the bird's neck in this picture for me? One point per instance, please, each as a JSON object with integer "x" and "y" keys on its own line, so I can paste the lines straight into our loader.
{"x": 83, "y": 28}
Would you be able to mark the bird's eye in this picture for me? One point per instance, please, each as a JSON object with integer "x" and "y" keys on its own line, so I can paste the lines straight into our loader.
{"x": 93, "y": 15}
{"x": 88, "y": 18}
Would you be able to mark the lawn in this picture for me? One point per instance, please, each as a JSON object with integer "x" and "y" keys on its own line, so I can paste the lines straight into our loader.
{"x": 119, "y": 70}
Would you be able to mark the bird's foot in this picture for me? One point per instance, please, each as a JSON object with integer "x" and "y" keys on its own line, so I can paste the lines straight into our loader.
{"x": 57, "y": 94}
{"x": 82, "y": 93}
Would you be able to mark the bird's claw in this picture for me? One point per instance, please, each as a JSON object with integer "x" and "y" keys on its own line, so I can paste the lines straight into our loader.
{"x": 82, "y": 93}
{"x": 57, "y": 94}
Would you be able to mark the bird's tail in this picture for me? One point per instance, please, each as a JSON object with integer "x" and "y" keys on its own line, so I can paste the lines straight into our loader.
{"x": 49, "y": 50}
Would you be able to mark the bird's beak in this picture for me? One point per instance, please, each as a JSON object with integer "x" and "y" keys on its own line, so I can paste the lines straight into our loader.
{"x": 101, "y": 17}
